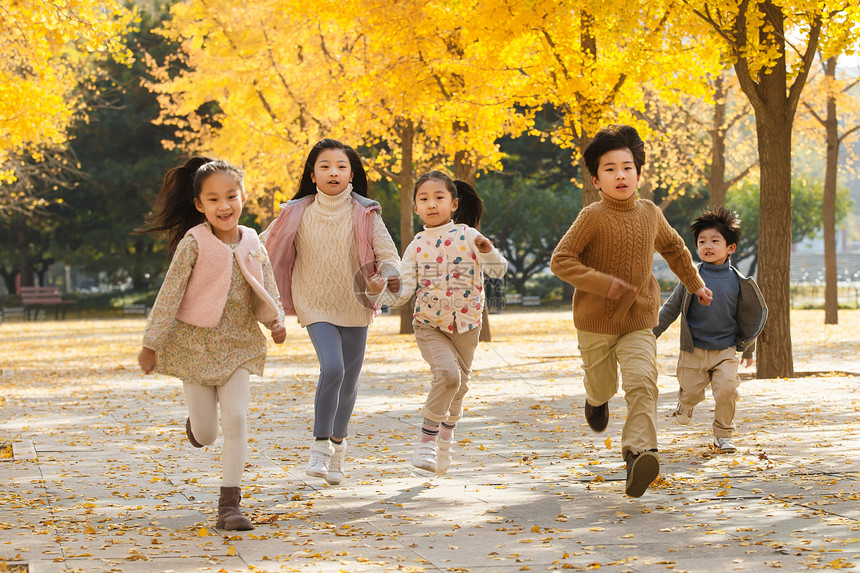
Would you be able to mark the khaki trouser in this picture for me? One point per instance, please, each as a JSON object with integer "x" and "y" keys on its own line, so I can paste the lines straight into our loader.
{"x": 449, "y": 355}
{"x": 636, "y": 353}
{"x": 719, "y": 369}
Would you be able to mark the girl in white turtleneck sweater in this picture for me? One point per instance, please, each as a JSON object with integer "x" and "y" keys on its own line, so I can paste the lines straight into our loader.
{"x": 326, "y": 245}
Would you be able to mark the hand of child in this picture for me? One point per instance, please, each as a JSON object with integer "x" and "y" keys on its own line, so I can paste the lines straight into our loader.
{"x": 483, "y": 244}
{"x": 617, "y": 288}
{"x": 705, "y": 296}
{"x": 146, "y": 358}
{"x": 279, "y": 332}
{"x": 394, "y": 284}
{"x": 747, "y": 362}
{"x": 375, "y": 284}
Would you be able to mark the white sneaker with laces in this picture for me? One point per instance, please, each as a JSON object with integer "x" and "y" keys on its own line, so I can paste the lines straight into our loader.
{"x": 335, "y": 464}
{"x": 683, "y": 414}
{"x": 445, "y": 455}
{"x": 724, "y": 445}
{"x": 321, "y": 451}
{"x": 424, "y": 456}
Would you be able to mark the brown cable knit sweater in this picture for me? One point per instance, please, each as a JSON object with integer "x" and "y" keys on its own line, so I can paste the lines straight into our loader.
{"x": 613, "y": 238}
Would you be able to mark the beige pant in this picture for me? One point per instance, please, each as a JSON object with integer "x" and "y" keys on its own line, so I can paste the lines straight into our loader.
{"x": 449, "y": 355}
{"x": 719, "y": 369}
{"x": 636, "y": 353}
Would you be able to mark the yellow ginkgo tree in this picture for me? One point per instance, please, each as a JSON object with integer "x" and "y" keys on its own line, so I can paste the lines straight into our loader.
{"x": 406, "y": 81}
{"x": 697, "y": 140}
{"x": 49, "y": 51}
{"x": 771, "y": 45}
{"x": 591, "y": 61}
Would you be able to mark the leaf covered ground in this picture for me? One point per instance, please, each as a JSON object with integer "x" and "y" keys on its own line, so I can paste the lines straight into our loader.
{"x": 96, "y": 475}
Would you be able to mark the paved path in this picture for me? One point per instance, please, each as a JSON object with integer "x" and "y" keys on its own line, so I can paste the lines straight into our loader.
{"x": 102, "y": 478}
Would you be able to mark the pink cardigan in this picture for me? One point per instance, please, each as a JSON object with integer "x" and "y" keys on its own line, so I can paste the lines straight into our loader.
{"x": 206, "y": 292}
{"x": 281, "y": 234}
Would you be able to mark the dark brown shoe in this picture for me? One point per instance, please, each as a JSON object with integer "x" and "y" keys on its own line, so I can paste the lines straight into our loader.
{"x": 597, "y": 416}
{"x": 642, "y": 469}
{"x": 188, "y": 433}
{"x": 229, "y": 515}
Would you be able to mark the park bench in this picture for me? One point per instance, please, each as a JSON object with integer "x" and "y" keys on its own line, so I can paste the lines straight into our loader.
{"x": 34, "y": 299}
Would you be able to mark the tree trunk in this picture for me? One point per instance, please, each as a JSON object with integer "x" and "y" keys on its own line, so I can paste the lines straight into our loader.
{"x": 717, "y": 172}
{"x": 590, "y": 194}
{"x": 405, "y": 180}
{"x": 774, "y": 148}
{"x": 24, "y": 262}
{"x": 9, "y": 279}
{"x": 831, "y": 303}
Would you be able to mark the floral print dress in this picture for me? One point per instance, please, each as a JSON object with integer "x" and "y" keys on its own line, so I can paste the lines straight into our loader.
{"x": 207, "y": 356}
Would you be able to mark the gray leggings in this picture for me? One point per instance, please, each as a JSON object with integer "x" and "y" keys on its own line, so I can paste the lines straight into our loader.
{"x": 340, "y": 351}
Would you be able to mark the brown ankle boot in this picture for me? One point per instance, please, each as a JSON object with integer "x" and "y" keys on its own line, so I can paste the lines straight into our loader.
{"x": 229, "y": 515}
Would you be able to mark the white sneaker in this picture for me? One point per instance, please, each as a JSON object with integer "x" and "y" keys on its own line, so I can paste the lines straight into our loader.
{"x": 335, "y": 471}
{"x": 321, "y": 451}
{"x": 445, "y": 455}
{"x": 724, "y": 445}
{"x": 424, "y": 456}
{"x": 683, "y": 414}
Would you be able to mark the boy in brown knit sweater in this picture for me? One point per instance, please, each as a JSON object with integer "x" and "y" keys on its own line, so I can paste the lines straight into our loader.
{"x": 607, "y": 255}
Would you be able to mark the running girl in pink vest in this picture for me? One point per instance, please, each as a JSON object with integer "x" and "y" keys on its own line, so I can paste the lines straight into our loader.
{"x": 325, "y": 245}
{"x": 203, "y": 326}
{"x": 444, "y": 266}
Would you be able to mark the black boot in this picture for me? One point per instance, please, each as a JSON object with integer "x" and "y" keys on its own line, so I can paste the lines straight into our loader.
{"x": 597, "y": 416}
{"x": 188, "y": 433}
{"x": 229, "y": 515}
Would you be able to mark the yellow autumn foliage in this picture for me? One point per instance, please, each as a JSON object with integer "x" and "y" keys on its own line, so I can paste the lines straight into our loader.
{"x": 49, "y": 49}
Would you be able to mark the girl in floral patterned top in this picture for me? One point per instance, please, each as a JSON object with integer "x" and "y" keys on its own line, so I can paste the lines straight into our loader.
{"x": 203, "y": 326}
{"x": 444, "y": 267}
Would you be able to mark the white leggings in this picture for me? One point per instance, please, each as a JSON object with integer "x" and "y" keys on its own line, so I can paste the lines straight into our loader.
{"x": 233, "y": 396}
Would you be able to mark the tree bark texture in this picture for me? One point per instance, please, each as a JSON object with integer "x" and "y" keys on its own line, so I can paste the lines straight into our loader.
{"x": 774, "y": 348}
{"x": 717, "y": 173}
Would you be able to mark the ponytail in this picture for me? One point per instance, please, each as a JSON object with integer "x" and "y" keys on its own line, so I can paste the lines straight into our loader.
{"x": 175, "y": 211}
{"x": 470, "y": 207}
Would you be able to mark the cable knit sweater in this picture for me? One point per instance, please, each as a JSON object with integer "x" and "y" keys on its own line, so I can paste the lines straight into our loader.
{"x": 327, "y": 263}
{"x": 613, "y": 238}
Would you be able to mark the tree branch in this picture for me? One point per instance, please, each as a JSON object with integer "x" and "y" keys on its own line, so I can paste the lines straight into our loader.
{"x": 848, "y": 133}
{"x": 797, "y": 87}
{"x": 813, "y": 113}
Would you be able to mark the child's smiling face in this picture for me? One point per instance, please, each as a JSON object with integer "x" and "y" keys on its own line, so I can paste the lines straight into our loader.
{"x": 221, "y": 199}
{"x": 617, "y": 176}
{"x": 712, "y": 247}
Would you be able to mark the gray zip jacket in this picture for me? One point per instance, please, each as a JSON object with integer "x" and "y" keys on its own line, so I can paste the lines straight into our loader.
{"x": 751, "y": 314}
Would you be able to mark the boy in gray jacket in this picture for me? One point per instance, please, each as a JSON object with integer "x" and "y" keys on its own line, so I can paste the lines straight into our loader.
{"x": 712, "y": 335}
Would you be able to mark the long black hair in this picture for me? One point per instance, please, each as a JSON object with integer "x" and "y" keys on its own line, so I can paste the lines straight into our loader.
{"x": 175, "y": 212}
{"x": 470, "y": 207}
{"x": 359, "y": 176}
